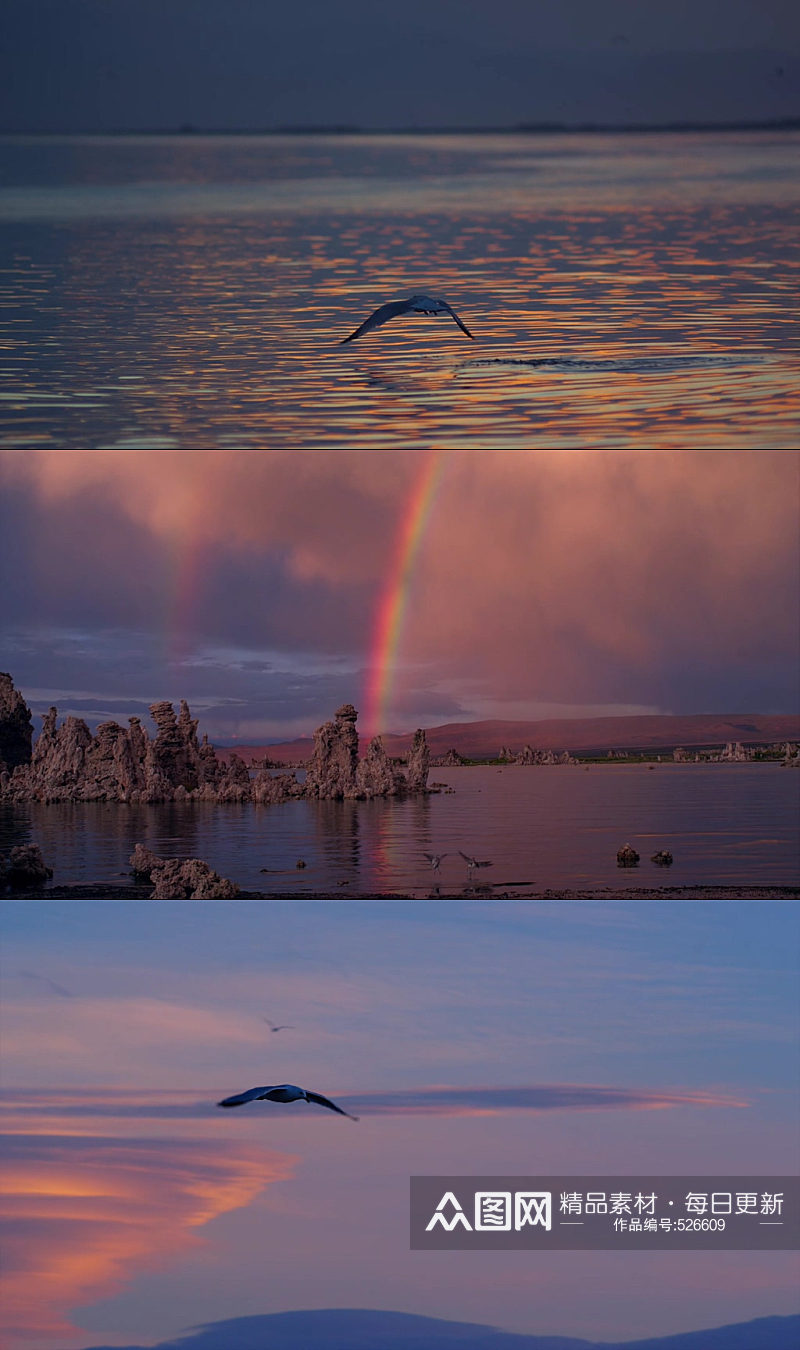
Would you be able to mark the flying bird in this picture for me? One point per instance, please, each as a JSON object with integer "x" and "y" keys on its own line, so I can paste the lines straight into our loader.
{"x": 472, "y": 863}
{"x": 435, "y": 858}
{"x": 416, "y": 304}
{"x": 284, "y": 1092}
{"x": 282, "y": 1026}
{"x": 43, "y": 979}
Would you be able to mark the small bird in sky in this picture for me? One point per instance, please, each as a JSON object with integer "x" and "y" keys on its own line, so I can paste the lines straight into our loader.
{"x": 472, "y": 863}
{"x": 44, "y": 979}
{"x": 282, "y": 1026}
{"x": 416, "y": 304}
{"x": 435, "y": 859}
{"x": 283, "y": 1092}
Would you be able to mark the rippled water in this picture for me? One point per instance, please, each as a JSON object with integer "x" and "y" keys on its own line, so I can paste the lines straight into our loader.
{"x": 541, "y": 827}
{"x": 192, "y": 291}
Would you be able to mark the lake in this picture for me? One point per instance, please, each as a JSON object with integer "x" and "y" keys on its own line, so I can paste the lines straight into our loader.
{"x": 192, "y": 291}
{"x": 542, "y": 827}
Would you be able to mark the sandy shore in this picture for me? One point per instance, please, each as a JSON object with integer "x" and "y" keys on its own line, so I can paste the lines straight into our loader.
{"x": 132, "y": 892}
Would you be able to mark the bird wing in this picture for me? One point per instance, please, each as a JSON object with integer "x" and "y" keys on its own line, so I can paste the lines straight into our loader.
{"x": 381, "y": 315}
{"x": 467, "y": 858}
{"x": 451, "y": 311}
{"x": 253, "y": 1095}
{"x": 324, "y": 1101}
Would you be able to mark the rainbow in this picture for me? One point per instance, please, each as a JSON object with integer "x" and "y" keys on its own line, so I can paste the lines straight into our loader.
{"x": 181, "y": 593}
{"x": 393, "y": 603}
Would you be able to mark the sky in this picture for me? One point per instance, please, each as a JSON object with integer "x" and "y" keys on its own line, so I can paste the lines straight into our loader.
{"x": 100, "y": 65}
{"x": 424, "y": 587}
{"x": 618, "y": 1040}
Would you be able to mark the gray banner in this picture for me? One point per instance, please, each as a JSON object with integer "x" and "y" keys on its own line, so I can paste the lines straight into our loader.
{"x": 639, "y": 1213}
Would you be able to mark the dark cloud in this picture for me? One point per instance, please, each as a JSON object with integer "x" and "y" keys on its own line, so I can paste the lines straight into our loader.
{"x": 251, "y": 63}
{"x": 253, "y": 584}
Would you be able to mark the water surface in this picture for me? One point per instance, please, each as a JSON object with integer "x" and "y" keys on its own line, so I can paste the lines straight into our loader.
{"x": 541, "y": 827}
{"x": 192, "y": 291}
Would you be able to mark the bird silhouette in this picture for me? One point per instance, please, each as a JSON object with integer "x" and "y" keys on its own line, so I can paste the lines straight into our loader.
{"x": 283, "y": 1092}
{"x": 472, "y": 863}
{"x": 44, "y": 979}
{"x": 282, "y": 1026}
{"x": 435, "y": 858}
{"x": 416, "y": 304}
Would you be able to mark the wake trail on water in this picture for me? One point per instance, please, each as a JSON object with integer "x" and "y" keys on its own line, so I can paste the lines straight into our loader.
{"x": 642, "y": 365}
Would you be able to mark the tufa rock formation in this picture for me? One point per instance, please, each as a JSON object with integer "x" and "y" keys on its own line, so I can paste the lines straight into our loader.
{"x": 142, "y": 862}
{"x": 419, "y": 759}
{"x": 335, "y": 771}
{"x": 120, "y": 764}
{"x": 528, "y": 755}
{"x": 627, "y": 856}
{"x": 331, "y": 770}
{"x": 735, "y": 752}
{"x": 23, "y": 868}
{"x": 376, "y": 776}
{"x": 663, "y": 858}
{"x": 191, "y": 880}
{"x": 176, "y": 879}
{"x": 16, "y": 725}
{"x": 449, "y": 760}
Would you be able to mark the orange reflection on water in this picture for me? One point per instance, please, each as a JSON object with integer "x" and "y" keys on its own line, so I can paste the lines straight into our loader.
{"x": 220, "y": 326}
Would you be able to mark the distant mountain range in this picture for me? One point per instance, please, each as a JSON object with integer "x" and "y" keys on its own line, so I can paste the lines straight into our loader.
{"x": 482, "y": 740}
{"x": 548, "y": 128}
{"x": 365, "y": 1329}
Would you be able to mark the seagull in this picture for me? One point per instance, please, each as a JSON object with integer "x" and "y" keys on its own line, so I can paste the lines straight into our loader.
{"x": 416, "y": 304}
{"x": 435, "y": 858}
{"x": 283, "y": 1026}
{"x": 472, "y": 863}
{"x": 284, "y": 1092}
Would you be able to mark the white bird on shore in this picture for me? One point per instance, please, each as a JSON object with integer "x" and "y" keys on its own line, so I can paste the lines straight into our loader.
{"x": 472, "y": 863}
{"x": 435, "y": 858}
{"x": 283, "y": 1092}
{"x": 416, "y": 304}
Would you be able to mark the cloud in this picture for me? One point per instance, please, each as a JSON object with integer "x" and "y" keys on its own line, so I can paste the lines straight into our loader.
{"x": 573, "y": 578}
{"x": 84, "y": 1215}
{"x": 424, "y": 1101}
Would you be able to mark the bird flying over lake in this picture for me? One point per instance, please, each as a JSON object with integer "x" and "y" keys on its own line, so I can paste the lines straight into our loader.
{"x": 282, "y": 1026}
{"x": 416, "y": 304}
{"x": 283, "y": 1092}
{"x": 472, "y": 863}
{"x": 435, "y": 858}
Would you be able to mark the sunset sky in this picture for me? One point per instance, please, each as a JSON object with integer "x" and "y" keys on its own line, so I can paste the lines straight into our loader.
{"x": 425, "y": 587}
{"x": 486, "y": 1039}
{"x": 89, "y": 65}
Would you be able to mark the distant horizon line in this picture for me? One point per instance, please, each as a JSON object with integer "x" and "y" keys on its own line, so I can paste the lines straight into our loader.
{"x": 233, "y": 744}
{"x": 485, "y": 129}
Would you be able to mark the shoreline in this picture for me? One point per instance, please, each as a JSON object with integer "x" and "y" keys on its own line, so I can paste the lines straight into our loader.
{"x": 98, "y": 891}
